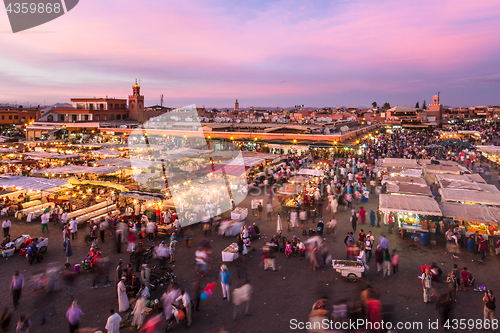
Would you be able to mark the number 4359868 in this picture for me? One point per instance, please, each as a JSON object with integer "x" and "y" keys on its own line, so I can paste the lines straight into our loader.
{"x": 32, "y": 7}
{"x": 471, "y": 324}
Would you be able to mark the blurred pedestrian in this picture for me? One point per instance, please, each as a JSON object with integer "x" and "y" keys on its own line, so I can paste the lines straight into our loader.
{"x": 24, "y": 325}
{"x": 395, "y": 262}
{"x": 73, "y": 315}
{"x": 16, "y": 287}
{"x": 5, "y": 320}
{"x": 241, "y": 298}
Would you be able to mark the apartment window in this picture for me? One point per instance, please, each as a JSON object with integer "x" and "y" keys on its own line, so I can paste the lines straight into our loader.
{"x": 50, "y": 118}
{"x": 131, "y": 105}
{"x": 86, "y": 117}
{"x": 112, "y": 117}
{"x": 104, "y": 117}
{"x": 74, "y": 117}
{"x": 124, "y": 117}
{"x": 31, "y": 118}
{"x": 16, "y": 117}
{"x": 62, "y": 117}
{"x": 101, "y": 106}
{"x": 110, "y": 106}
{"x": 91, "y": 106}
{"x": 10, "y": 117}
{"x": 3, "y": 117}
{"x": 116, "y": 106}
{"x": 123, "y": 106}
{"x": 118, "y": 117}
{"x": 97, "y": 117}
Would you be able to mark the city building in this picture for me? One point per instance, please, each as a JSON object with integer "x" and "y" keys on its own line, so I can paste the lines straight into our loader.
{"x": 406, "y": 116}
{"x": 435, "y": 111}
{"x": 236, "y": 106}
{"x": 19, "y": 115}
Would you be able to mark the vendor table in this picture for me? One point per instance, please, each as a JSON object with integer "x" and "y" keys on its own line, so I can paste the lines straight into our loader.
{"x": 230, "y": 227}
{"x": 239, "y": 213}
{"x": 230, "y": 253}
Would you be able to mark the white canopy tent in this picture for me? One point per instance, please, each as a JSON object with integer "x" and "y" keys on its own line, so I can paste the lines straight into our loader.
{"x": 473, "y": 177}
{"x": 409, "y": 204}
{"x": 246, "y": 161}
{"x": 30, "y": 183}
{"x": 290, "y": 189}
{"x": 471, "y": 212}
{"x": 404, "y": 180}
{"x": 399, "y": 163}
{"x": 128, "y": 162}
{"x": 310, "y": 172}
{"x": 106, "y": 152}
{"x": 43, "y": 154}
{"x": 76, "y": 169}
{"x": 146, "y": 196}
{"x": 475, "y": 197}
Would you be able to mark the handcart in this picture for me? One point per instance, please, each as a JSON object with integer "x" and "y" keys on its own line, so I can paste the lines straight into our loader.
{"x": 352, "y": 270}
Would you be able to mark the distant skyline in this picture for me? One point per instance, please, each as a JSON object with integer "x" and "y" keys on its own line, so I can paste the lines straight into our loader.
{"x": 268, "y": 53}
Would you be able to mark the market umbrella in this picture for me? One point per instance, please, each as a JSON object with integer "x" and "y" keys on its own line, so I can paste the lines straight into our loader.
{"x": 279, "y": 228}
{"x": 69, "y": 252}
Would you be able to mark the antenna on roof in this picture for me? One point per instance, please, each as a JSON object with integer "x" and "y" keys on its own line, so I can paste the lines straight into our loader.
{"x": 161, "y": 101}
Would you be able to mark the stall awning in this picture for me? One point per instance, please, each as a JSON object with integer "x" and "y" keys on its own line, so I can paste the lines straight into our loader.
{"x": 404, "y": 180}
{"x": 409, "y": 189}
{"x": 129, "y": 162}
{"x": 471, "y": 213}
{"x": 473, "y": 177}
{"x": 290, "y": 189}
{"x": 299, "y": 179}
{"x": 246, "y": 161}
{"x": 475, "y": 197}
{"x": 106, "y": 152}
{"x": 182, "y": 153}
{"x": 409, "y": 204}
{"x": 31, "y": 183}
{"x": 232, "y": 170}
{"x": 310, "y": 172}
{"x": 455, "y": 170}
{"x": 42, "y": 155}
{"x": 76, "y": 169}
{"x": 400, "y": 163}
{"x": 146, "y": 196}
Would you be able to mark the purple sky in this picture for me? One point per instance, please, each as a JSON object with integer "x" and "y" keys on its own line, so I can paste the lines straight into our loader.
{"x": 265, "y": 53}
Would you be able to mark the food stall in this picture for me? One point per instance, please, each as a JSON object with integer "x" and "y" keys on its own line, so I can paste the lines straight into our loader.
{"x": 230, "y": 253}
{"x": 146, "y": 202}
{"x": 413, "y": 214}
{"x": 471, "y": 197}
{"x": 473, "y": 218}
{"x": 352, "y": 270}
{"x": 239, "y": 213}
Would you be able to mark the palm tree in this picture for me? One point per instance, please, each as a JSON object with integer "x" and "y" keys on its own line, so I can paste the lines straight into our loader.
{"x": 374, "y": 104}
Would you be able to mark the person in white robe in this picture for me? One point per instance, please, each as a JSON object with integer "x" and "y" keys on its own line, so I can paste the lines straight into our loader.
{"x": 123, "y": 303}
{"x": 139, "y": 312}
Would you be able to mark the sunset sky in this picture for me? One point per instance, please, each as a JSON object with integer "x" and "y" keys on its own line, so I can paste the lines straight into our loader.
{"x": 263, "y": 52}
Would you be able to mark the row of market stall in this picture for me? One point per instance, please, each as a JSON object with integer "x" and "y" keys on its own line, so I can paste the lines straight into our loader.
{"x": 466, "y": 203}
